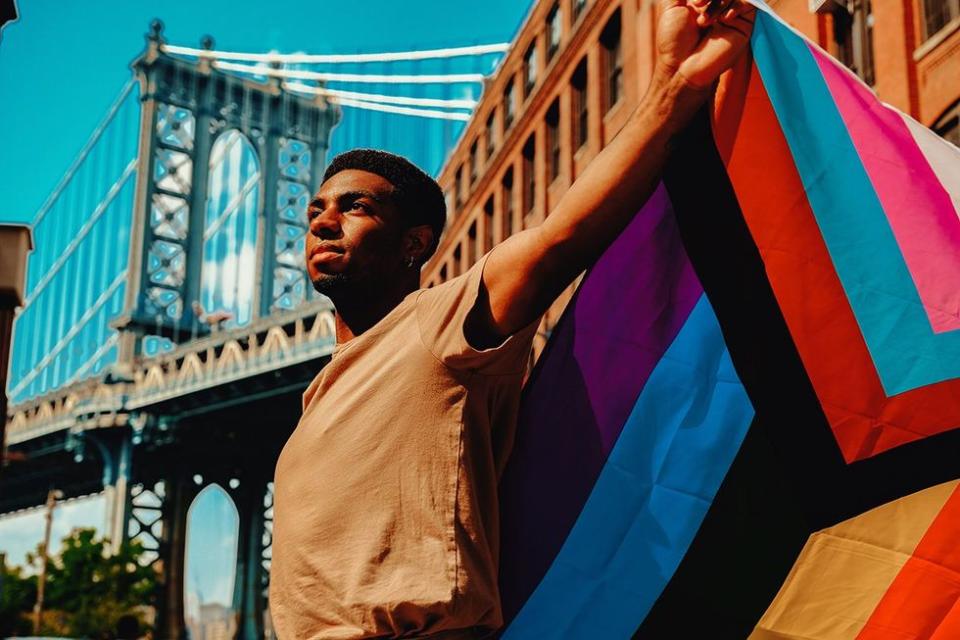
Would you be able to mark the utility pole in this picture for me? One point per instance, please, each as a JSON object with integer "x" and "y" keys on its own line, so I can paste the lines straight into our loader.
{"x": 52, "y": 497}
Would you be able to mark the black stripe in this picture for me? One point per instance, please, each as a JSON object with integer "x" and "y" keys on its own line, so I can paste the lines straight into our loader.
{"x": 789, "y": 479}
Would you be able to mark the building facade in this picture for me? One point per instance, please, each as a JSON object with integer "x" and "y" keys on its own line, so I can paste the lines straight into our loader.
{"x": 578, "y": 68}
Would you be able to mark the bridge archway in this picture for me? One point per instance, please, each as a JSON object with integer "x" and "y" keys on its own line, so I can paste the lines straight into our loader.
{"x": 229, "y": 269}
{"x": 209, "y": 577}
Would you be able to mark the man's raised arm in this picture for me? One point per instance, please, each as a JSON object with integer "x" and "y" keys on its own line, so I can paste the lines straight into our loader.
{"x": 696, "y": 42}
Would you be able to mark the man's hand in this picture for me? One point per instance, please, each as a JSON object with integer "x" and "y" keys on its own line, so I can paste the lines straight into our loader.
{"x": 696, "y": 41}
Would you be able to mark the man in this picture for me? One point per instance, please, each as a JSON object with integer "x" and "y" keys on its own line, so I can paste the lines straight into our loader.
{"x": 385, "y": 512}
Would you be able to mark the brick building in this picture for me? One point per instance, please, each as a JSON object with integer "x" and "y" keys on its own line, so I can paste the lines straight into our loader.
{"x": 577, "y": 69}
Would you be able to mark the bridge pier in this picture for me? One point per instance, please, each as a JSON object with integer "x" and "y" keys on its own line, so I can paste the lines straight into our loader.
{"x": 248, "y": 601}
{"x": 171, "y": 621}
{"x": 116, "y": 487}
{"x": 115, "y": 448}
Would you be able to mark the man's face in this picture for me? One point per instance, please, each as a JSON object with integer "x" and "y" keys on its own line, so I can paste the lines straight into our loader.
{"x": 355, "y": 236}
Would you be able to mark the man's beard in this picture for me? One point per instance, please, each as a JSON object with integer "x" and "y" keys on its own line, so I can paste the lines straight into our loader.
{"x": 334, "y": 284}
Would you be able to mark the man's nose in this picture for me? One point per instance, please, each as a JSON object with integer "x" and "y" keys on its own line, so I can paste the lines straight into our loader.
{"x": 326, "y": 223}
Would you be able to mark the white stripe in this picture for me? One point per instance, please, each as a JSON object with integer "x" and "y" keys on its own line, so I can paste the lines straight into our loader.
{"x": 308, "y": 58}
{"x": 943, "y": 157}
{"x": 376, "y": 97}
{"x": 262, "y": 70}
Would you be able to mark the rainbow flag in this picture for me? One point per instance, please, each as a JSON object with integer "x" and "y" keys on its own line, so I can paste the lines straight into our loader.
{"x": 746, "y": 422}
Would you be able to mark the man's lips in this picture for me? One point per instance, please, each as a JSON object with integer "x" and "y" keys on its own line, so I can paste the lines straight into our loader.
{"x": 324, "y": 253}
{"x": 324, "y": 256}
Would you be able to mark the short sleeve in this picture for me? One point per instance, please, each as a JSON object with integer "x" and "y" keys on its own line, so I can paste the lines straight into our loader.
{"x": 441, "y": 313}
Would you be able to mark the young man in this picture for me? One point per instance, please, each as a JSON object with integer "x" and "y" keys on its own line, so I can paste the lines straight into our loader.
{"x": 385, "y": 513}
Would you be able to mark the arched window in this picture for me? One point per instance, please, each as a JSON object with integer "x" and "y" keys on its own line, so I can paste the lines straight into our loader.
{"x": 228, "y": 273}
{"x": 213, "y": 526}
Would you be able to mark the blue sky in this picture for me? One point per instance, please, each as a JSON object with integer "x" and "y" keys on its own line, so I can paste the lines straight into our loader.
{"x": 62, "y": 64}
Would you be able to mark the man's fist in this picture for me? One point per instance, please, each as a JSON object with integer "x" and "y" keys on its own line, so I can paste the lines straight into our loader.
{"x": 700, "y": 39}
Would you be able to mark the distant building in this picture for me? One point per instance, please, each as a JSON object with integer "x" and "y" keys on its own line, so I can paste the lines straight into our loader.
{"x": 578, "y": 68}
{"x": 215, "y": 622}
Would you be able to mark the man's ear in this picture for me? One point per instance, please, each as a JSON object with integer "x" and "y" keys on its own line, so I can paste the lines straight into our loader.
{"x": 418, "y": 243}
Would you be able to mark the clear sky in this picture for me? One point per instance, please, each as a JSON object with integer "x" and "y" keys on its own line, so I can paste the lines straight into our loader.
{"x": 62, "y": 64}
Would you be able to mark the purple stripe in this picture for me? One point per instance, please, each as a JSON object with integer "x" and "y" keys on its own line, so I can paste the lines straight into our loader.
{"x": 627, "y": 311}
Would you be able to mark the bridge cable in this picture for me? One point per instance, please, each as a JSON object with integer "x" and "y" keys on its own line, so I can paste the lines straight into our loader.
{"x": 307, "y": 58}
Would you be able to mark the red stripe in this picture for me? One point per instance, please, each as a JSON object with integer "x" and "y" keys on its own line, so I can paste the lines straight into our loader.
{"x": 922, "y": 601}
{"x": 863, "y": 419}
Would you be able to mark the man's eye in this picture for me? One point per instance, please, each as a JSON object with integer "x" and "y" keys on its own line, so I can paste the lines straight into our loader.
{"x": 357, "y": 205}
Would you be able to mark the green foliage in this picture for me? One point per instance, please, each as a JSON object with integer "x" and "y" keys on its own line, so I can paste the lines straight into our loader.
{"x": 88, "y": 586}
{"x": 17, "y": 595}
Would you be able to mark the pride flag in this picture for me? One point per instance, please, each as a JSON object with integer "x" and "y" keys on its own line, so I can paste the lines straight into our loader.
{"x": 746, "y": 422}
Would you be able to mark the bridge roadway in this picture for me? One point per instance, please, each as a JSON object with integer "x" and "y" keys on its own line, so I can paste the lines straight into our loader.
{"x": 215, "y": 409}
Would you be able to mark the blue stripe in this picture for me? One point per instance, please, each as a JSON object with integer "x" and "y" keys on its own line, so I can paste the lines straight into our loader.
{"x": 906, "y": 352}
{"x": 651, "y": 497}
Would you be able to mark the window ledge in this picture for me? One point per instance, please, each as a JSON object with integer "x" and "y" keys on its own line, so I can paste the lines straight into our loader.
{"x": 936, "y": 39}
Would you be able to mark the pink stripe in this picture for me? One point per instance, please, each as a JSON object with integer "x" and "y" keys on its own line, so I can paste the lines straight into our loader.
{"x": 918, "y": 207}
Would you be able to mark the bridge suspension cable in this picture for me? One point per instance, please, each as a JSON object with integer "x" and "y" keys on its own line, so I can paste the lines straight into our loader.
{"x": 94, "y": 137}
{"x": 385, "y": 99}
{"x": 308, "y": 58}
{"x": 323, "y": 76}
{"x": 389, "y": 108}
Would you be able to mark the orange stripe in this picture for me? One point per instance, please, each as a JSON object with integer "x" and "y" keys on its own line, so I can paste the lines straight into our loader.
{"x": 774, "y": 204}
{"x": 844, "y": 571}
{"x": 922, "y": 600}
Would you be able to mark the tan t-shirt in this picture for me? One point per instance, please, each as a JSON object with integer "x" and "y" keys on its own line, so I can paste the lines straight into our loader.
{"x": 386, "y": 519}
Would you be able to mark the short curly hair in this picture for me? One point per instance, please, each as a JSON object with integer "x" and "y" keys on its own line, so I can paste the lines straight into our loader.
{"x": 418, "y": 196}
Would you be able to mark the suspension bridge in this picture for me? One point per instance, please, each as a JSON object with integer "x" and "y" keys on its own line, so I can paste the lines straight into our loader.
{"x": 168, "y": 328}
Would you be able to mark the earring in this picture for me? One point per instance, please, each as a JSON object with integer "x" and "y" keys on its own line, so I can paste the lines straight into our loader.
{"x": 409, "y": 261}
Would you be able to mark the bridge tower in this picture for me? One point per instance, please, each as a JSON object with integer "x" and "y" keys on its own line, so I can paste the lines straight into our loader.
{"x": 225, "y": 168}
{"x": 188, "y": 109}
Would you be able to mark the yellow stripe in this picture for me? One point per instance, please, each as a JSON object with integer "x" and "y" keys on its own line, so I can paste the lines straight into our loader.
{"x": 844, "y": 570}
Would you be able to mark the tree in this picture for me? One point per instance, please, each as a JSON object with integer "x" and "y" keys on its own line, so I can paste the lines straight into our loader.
{"x": 17, "y": 595}
{"x": 93, "y": 587}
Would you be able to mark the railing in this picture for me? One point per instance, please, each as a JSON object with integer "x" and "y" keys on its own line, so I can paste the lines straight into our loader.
{"x": 301, "y": 335}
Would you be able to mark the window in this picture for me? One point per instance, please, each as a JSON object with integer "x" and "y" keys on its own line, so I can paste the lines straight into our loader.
{"x": 458, "y": 189}
{"x": 506, "y": 230}
{"x": 448, "y": 200}
{"x": 948, "y": 126}
{"x": 472, "y": 243}
{"x": 578, "y": 7}
{"x": 530, "y": 69}
{"x": 491, "y": 135}
{"x": 853, "y": 33}
{"x": 529, "y": 179}
{"x": 473, "y": 162}
{"x": 612, "y": 60}
{"x": 553, "y": 140}
{"x": 509, "y": 105}
{"x": 937, "y": 14}
{"x": 554, "y": 31}
{"x": 488, "y": 225}
{"x": 580, "y": 119}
